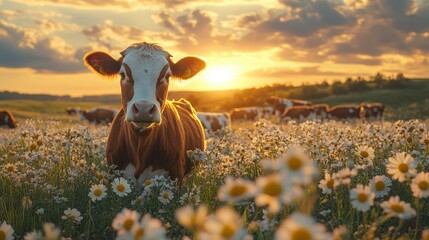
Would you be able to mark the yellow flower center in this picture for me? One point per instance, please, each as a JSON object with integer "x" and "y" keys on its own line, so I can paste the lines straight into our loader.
{"x": 403, "y": 167}
{"x": 301, "y": 234}
{"x": 364, "y": 154}
{"x": 273, "y": 189}
{"x": 294, "y": 163}
{"x": 165, "y": 196}
{"x": 409, "y": 139}
{"x": 139, "y": 200}
{"x": 10, "y": 168}
{"x": 362, "y": 197}
{"x": 2, "y": 235}
{"x": 128, "y": 224}
{"x": 227, "y": 231}
{"x": 330, "y": 183}
{"x": 139, "y": 233}
{"x": 32, "y": 146}
{"x": 193, "y": 201}
{"x": 147, "y": 182}
{"x": 39, "y": 142}
{"x": 120, "y": 187}
{"x": 426, "y": 141}
{"x": 397, "y": 208}
{"x": 423, "y": 185}
{"x": 237, "y": 190}
{"x": 97, "y": 192}
{"x": 379, "y": 185}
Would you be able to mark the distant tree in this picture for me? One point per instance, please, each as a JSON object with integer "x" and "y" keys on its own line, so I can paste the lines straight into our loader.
{"x": 338, "y": 88}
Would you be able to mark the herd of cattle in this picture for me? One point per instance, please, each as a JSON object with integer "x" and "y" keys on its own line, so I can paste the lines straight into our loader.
{"x": 283, "y": 110}
{"x": 279, "y": 109}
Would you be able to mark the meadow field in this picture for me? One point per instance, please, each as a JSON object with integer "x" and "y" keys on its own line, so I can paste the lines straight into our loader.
{"x": 310, "y": 180}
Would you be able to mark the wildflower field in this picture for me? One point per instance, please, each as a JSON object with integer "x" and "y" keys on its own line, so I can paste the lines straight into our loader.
{"x": 311, "y": 180}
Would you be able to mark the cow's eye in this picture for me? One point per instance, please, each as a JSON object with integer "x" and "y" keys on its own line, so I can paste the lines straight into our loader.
{"x": 122, "y": 76}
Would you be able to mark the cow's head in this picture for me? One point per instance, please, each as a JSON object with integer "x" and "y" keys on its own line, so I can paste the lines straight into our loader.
{"x": 145, "y": 70}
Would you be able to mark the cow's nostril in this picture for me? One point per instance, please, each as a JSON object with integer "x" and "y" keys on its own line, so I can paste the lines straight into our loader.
{"x": 152, "y": 110}
{"x": 135, "y": 109}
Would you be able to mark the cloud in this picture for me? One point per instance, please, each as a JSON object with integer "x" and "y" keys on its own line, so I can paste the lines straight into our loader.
{"x": 118, "y": 4}
{"x": 27, "y": 48}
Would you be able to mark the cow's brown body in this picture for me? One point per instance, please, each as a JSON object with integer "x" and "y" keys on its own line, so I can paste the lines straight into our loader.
{"x": 99, "y": 115}
{"x": 7, "y": 120}
{"x": 279, "y": 105}
{"x": 163, "y": 146}
{"x": 245, "y": 114}
{"x": 344, "y": 112}
{"x": 297, "y": 112}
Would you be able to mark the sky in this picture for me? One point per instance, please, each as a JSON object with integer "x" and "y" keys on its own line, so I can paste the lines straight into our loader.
{"x": 245, "y": 43}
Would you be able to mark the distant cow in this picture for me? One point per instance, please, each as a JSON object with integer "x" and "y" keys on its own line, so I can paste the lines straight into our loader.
{"x": 266, "y": 112}
{"x": 344, "y": 112}
{"x": 7, "y": 120}
{"x": 305, "y": 112}
{"x": 245, "y": 114}
{"x": 73, "y": 111}
{"x": 98, "y": 115}
{"x": 372, "y": 110}
{"x": 214, "y": 121}
{"x": 150, "y": 134}
{"x": 281, "y": 104}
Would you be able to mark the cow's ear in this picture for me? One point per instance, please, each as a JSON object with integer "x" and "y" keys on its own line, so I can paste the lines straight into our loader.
{"x": 102, "y": 63}
{"x": 187, "y": 67}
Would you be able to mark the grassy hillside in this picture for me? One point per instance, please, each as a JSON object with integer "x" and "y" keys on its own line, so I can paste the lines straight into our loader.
{"x": 402, "y": 102}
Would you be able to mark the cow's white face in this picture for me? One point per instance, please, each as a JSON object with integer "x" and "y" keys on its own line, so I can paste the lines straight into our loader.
{"x": 145, "y": 70}
{"x": 144, "y": 81}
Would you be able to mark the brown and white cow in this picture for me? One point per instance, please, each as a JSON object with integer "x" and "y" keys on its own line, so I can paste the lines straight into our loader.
{"x": 281, "y": 104}
{"x": 266, "y": 112}
{"x": 150, "y": 133}
{"x": 317, "y": 111}
{"x": 214, "y": 121}
{"x": 73, "y": 110}
{"x": 98, "y": 115}
{"x": 245, "y": 114}
{"x": 372, "y": 111}
{"x": 7, "y": 120}
{"x": 344, "y": 112}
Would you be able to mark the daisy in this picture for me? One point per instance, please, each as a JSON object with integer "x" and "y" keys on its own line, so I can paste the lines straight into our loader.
{"x": 165, "y": 196}
{"x": 125, "y": 221}
{"x": 225, "y": 224}
{"x": 51, "y": 232}
{"x": 296, "y": 166}
{"x": 380, "y": 185}
{"x": 190, "y": 198}
{"x": 34, "y": 235}
{"x": 236, "y": 190}
{"x": 401, "y": 166}
{"x": 10, "y": 167}
{"x": 362, "y": 198}
{"x": 6, "y": 231}
{"x": 148, "y": 228}
{"x": 344, "y": 175}
{"x": 190, "y": 218}
{"x": 328, "y": 184}
{"x": 121, "y": 187}
{"x": 420, "y": 185}
{"x": 398, "y": 208}
{"x": 273, "y": 190}
{"x": 73, "y": 215}
{"x": 300, "y": 226}
{"x": 365, "y": 153}
{"x": 97, "y": 192}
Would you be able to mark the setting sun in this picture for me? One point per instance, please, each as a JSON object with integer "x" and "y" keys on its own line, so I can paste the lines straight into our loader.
{"x": 219, "y": 75}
